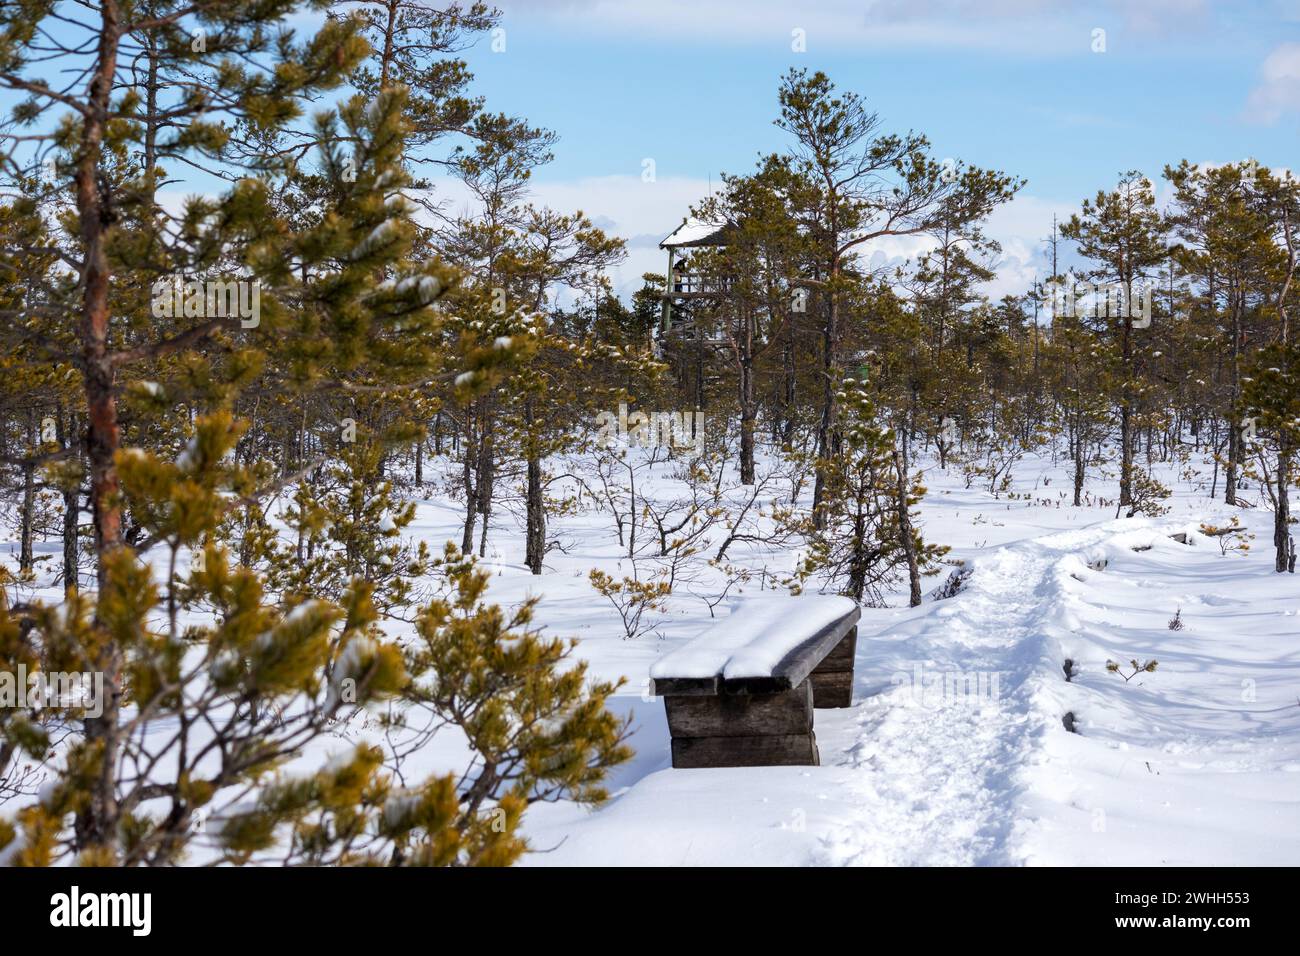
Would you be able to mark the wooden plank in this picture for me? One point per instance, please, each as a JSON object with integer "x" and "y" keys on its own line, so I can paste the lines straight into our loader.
{"x": 751, "y": 715}
{"x": 842, "y": 654}
{"x": 832, "y": 688}
{"x": 795, "y": 667}
{"x": 684, "y": 686}
{"x": 778, "y": 750}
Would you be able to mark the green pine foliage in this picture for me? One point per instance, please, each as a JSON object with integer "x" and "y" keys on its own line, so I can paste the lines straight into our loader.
{"x": 234, "y": 634}
{"x": 860, "y": 545}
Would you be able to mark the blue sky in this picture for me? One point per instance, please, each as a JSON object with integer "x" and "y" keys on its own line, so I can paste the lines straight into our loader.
{"x": 1011, "y": 84}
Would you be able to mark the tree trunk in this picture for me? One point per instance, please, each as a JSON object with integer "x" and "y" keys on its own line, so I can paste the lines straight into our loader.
{"x": 905, "y": 524}
{"x": 1282, "y": 540}
{"x": 747, "y": 415}
{"x": 535, "y": 533}
{"x": 788, "y": 391}
{"x": 1079, "y": 449}
{"x": 25, "y": 557}
{"x": 486, "y": 480}
{"x": 1126, "y": 413}
{"x": 71, "y": 507}
{"x": 96, "y": 824}
{"x": 1230, "y": 469}
{"x": 1234, "y": 427}
{"x": 469, "y": 459}
{"x": 830, "y": 341}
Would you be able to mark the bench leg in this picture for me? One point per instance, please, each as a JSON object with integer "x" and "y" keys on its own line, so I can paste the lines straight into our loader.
{"x": 743, "y": 730}
{"x": 775, "y": 750}
{"x": 832, "y": 679}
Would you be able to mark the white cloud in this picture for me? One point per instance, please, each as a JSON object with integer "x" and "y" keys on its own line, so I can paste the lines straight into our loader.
{"x": 1022, "y": 228}
{"x": 1035, "y": 27}
{"x": 772, "y": 22}
{"x": 1278, "y": 91}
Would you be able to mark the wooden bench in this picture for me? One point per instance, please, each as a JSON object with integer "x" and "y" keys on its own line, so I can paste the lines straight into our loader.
{"x": 742, "y": 694}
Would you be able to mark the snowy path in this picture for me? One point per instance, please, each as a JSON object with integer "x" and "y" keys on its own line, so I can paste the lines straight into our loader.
{"x": 941, "y": 753}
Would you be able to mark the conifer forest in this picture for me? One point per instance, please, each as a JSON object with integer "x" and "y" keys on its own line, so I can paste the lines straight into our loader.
{"x": 654, "y": 435}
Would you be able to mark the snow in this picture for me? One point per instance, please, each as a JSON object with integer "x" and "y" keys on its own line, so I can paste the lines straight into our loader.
{"x": 189, "y": 454}
{"x": 690, "y": 232}
{"x": 427, "y": 287}
{"x": 955, "y": 750}
{"x": 302, "y": 611}
{"x": 400, "y": 805}
{"x": 380, "y": 235}
{"x": 349, "y": 666}
{"x": 754, "y": 638}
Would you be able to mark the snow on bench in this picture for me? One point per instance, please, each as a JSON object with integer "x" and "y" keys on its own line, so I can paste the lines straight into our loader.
{"x": 742, "y": 693}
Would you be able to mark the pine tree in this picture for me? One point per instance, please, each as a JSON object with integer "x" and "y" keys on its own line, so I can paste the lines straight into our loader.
{"x": 859, "y": 185}
{"x": 199, "y": 660}
{"x": 1078, "y": 368}
{"x": 1272, "y": 384}
{"x": 1123, "y": 232}
{"x": 536, "y": 731}
{"x": 1271, "y": 397}
{"x": 763, "y": 262}
{"x": 868, "y": 535}
{"x": 1227, "y": 246}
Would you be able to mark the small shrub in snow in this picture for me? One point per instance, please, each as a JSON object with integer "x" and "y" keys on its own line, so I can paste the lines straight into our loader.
{"x": 632, "y": 598}
{"x": 1146, "y": 668}
{"x": 954, "y": 585}
{"x": 1146, "y": 496}
{"x": 1176, "y": 622}
{"x": 1232, "y": 537}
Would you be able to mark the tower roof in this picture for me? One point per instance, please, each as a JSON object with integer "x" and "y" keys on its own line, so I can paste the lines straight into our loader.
{"x": 694, "y": 232}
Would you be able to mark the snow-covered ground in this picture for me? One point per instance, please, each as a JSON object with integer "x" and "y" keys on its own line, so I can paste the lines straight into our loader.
{"x": 955, "y": 751}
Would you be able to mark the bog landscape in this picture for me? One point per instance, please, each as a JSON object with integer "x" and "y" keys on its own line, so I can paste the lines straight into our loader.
{"x": 648, "y": 435}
